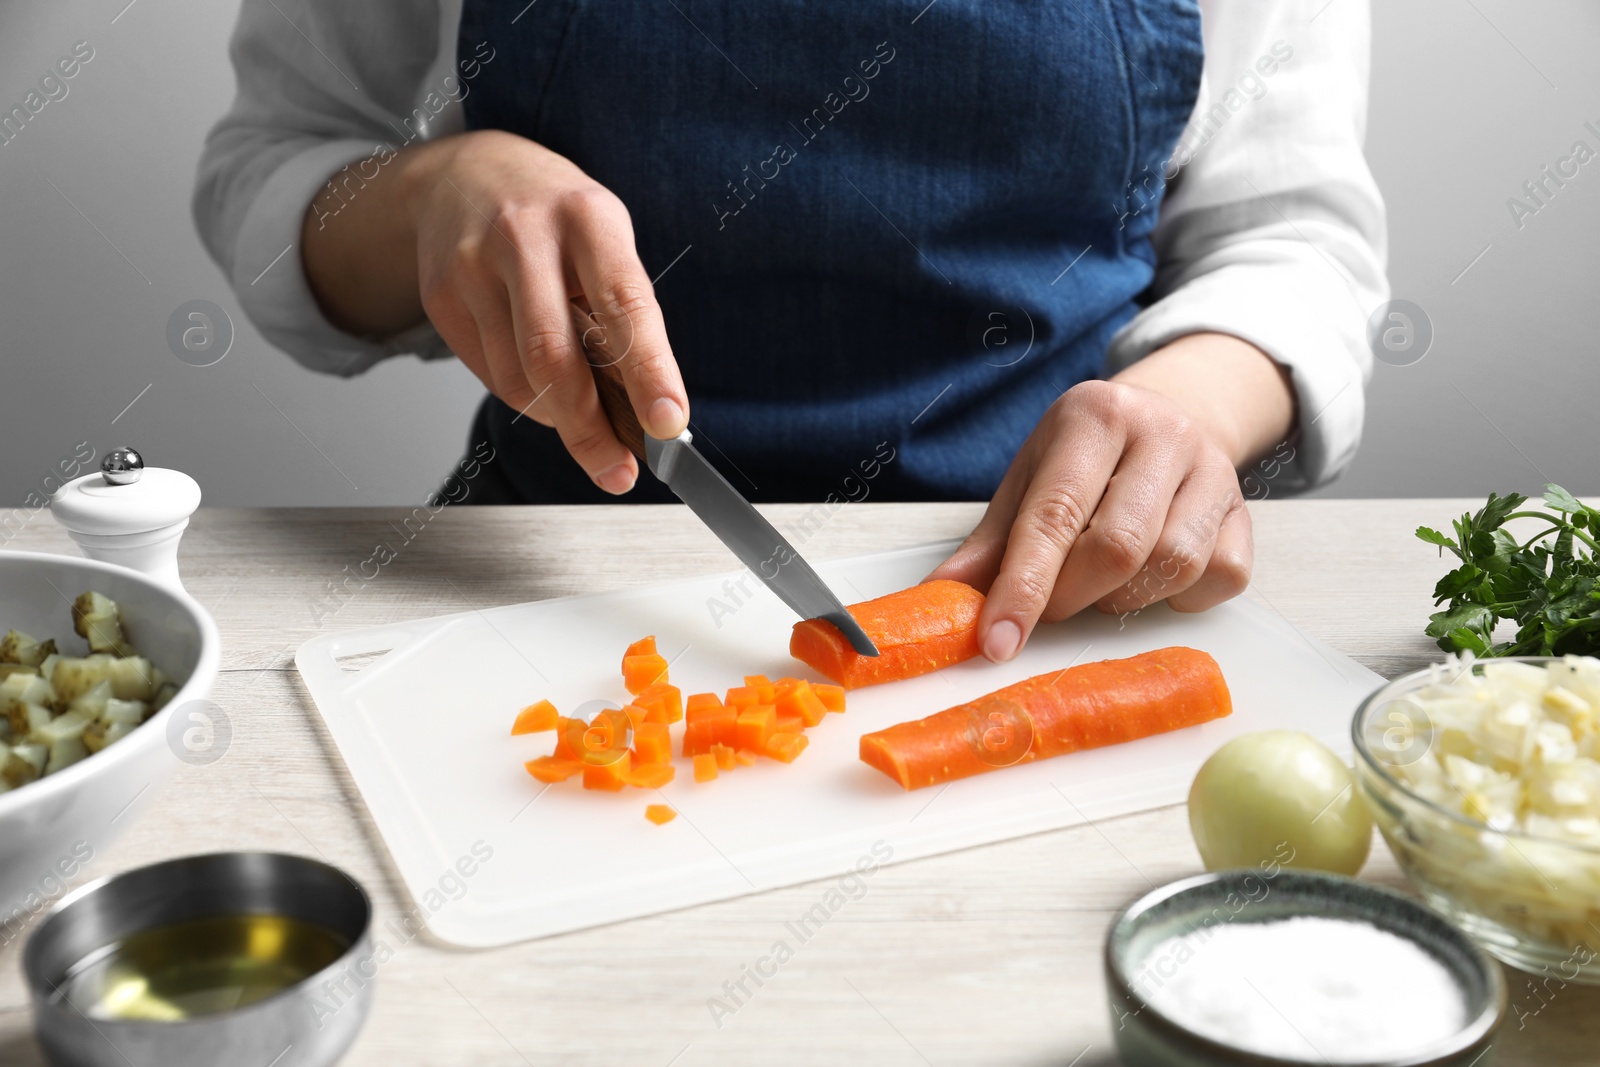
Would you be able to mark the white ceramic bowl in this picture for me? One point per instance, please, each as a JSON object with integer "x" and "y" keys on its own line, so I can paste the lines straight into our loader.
{"x": 49, "y": 829}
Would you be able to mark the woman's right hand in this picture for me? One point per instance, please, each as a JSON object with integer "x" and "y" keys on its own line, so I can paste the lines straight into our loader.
{"x": 507, "y": 236}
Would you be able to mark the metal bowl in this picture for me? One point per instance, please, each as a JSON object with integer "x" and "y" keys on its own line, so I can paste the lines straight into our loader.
{"x": 309, "y": 1024}
{"x": 1146, "y": 1037}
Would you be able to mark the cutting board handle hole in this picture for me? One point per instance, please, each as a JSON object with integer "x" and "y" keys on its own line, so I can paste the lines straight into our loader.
{"x": 360, "y": 661}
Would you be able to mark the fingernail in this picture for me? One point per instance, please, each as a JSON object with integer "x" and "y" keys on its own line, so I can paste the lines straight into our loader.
{"x": 665, "y": 417}
{"x": 1001, "y": 644}
{"x": 615, "y": 480}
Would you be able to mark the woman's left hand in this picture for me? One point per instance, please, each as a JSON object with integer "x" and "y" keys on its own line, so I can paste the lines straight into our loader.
{"x": 1125, "y": 493}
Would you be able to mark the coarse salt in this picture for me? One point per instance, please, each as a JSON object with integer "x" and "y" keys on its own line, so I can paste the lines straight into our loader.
{"x": 1306, "y": 988}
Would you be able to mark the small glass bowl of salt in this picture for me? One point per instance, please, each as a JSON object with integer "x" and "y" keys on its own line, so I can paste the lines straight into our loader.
{"x": 1279, "y": 967}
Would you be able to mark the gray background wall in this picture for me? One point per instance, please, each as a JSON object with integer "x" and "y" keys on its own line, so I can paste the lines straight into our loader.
{"x": 1470, "y": 99}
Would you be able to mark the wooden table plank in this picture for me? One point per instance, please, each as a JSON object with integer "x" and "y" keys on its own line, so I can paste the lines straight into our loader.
{"x": 985, "y": 956}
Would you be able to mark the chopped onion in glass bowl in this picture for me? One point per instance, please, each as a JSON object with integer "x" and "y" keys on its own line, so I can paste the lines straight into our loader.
{"x": 1484, "y": 778}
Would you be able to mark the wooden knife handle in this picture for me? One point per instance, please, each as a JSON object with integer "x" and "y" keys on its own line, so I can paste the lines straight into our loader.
{"x": 608, "y": 383}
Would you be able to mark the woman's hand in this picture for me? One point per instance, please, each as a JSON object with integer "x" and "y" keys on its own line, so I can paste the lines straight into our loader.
{"x": 1125, "y": 493}
{"x": 495, "y": 237}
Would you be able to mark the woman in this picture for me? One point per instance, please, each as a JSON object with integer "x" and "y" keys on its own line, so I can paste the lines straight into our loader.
{"x": 909, "y": 239}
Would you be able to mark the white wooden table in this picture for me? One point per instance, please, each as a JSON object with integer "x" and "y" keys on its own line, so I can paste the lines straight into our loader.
{"x": 988, "y": 956}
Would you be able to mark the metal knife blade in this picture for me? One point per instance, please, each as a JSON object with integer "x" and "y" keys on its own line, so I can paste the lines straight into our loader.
{"x": 759, "y": 546}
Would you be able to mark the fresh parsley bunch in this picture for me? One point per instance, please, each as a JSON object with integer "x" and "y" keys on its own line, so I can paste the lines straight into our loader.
{"x": 1547, "y": 583}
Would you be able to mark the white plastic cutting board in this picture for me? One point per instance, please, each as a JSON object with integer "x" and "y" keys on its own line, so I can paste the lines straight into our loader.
{"x": 425, "y": 729}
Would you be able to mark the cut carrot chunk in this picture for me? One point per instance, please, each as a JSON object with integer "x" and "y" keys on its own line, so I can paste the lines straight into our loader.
{"x": 610, "y": 776}
{"x": 551, "y": 769}
{"x": 724, "y": 757}
{"x": 745, "y": 759}
{"x": 569, "y": 738}
{"x": 832, "y": 696}
{"x": 664, "y": 703}
{"x": 652, "y": 743}
{"x": 1082, "y": 707}
{"x": 651, "y": 775}
{"x": 697, "y": 701}
{"x": 535, "y": 718}
{"x": 645, "y": 646}
{"x": 789, "y": 723}
{"x": 708, "y": 726}
{"x": 763, "y": 686}
{"x": 705, "y": 767}
{"x": 599, "y": 740}
{"x": 803, "y": 702}
{"x": 917, "y": 630}
{"x": 785, "y": 747}
{"x": 637, "y": 715}
{"x": 641, "y": 672}
{"x": 755, "y": 725}
{"x": 743, "y": 696}
{"x": 659, "y": 814}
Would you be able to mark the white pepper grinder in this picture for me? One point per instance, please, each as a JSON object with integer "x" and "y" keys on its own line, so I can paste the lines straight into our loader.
{"x": 129, "y": 514}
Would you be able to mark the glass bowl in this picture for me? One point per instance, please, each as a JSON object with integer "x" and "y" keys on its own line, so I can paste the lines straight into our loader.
{"x": 1532, "y": 901}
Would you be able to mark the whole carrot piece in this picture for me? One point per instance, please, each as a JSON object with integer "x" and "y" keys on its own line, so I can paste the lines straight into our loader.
{"x": 917, "y": 630}
{"x": 1082, "y": 707}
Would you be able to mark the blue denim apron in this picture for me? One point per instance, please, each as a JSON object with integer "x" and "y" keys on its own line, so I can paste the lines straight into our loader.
{"x": 886, "y": 236}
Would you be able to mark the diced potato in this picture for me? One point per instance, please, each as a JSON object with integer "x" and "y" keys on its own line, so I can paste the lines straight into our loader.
{"x": 65, "y": 752}
{"x": 132, "y": 678}
{"x": 25, "y": 718}
{"x": 98, "y": 621}
{"x": 93, "y": 703}
{"x": 99, "y": 734}
{"x": 28, "y": 687}
{"x": 1569, "y": 709}
{"x": 18, "y": 647}
{"x": 24, "y": 764}
{"x": 132, "y": 712}
{"x": 74, "y": 677}
{"x": 56, "y": 710}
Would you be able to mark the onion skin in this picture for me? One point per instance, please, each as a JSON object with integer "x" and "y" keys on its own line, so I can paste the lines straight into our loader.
{"x": 1279, "y": 796}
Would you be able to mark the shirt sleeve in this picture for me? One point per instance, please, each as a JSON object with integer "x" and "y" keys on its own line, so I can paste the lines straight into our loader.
{"x": 1272, "y": 229}
{"x": 320, "y": 86}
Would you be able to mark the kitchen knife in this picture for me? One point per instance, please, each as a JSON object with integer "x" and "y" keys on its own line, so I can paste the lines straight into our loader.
{"x": 677, "y": 462}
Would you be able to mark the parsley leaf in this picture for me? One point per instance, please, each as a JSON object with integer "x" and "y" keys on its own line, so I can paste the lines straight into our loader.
{"x": 1549, "y": 585}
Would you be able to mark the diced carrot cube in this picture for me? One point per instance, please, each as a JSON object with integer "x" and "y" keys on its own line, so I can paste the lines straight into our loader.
{"x": 663, "y": 702}
{"x": 708, "y": 726}
{"x": 659, "y": 814}
{"x": 832, "y": 696}
{"x": 535, "y": 718}
{"x": 637, "y": 714}
{"x": 724, "y": 757}
{"x": 651, "y": 775}
{"x": 742, "y": 696}
{"x": 603, "y": 736}
{"x": 755, "y": 726}
{"x": 803, "y": 702}
{"x": 569, "y": 738}
{"x": 702, "y": 700}
{"x": 645, "y": 646}
{"x": 641, "y": 672}
{"x": 652, "y": 743}
{"x": 610, "y": 776}
{"x": 745, "y": 759}
{"x": 551, "y": 769}
{"x": 763, "y": 686}
{"x": 785, "y": 747}
{"x": 705, "y": 767}
{"x": 757, "y": 679}
{"x": 789, "y": 723}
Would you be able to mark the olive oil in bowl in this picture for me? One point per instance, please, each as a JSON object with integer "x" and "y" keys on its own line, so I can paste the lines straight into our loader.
{"x": 199, "y": 967}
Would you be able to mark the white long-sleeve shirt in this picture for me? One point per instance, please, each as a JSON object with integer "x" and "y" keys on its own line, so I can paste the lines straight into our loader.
{"x": 1272, "y": 228}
